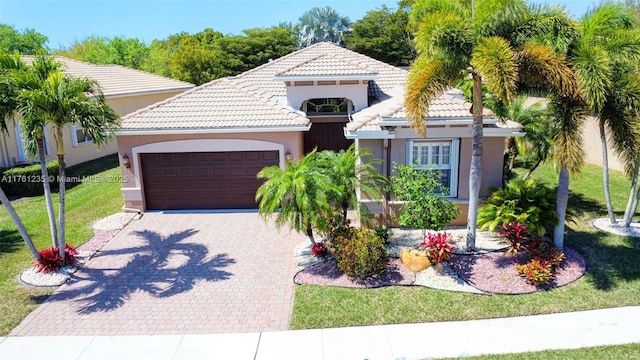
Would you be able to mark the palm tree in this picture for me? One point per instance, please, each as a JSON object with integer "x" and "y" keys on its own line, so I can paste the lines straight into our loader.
{"x": 535, "y": 123}
{"x": 350, "y": 172}
{"x": 605, "y": 61}
{"x": 32, "y": 77}
{"x": 322, "y": 24}
{"x": 8, "y": 92}
{"x": 489, "y": 44}
{"x": 569, "y": 113}
{"x": 298, "y": 194}
{"x": 62, "y": 101}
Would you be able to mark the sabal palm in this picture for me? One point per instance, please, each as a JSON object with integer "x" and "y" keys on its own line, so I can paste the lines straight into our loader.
{"x": 298, "y": 194}
{"x": 351, "y": 171}
{"x": 62, "y": 101}
{"x": 489, "y": 44}
{"x": 322, "y": 24}
{"x": 9, "y": 89}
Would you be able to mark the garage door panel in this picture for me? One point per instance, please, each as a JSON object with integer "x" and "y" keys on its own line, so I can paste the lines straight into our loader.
{"x": 203, "y": 180}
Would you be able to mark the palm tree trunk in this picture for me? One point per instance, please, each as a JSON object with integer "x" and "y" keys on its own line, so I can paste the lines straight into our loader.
{"x": 532, "y": 168}
{"x": 562, "y": 199}
{"x": 605, "y": 173}
{"x": 475, "y": 173}
{"x": 513, "y": 152}
{"x": 21, "y": 229}
{"x": 310, "y": 235}
{"x": 632, "y": 203}
{"x": 47, "y": 191}
{"x": 61, "y": 191}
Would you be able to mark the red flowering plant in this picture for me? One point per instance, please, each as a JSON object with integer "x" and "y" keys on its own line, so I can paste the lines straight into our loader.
{"x": 319, "y": 249}
{"x": 516, "y": 234}
{"x": 439, "y": 246}
{"x": 50, "y": 260}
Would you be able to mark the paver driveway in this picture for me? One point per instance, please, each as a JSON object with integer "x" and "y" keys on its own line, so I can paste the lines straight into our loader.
{"x": 181, "y": 273}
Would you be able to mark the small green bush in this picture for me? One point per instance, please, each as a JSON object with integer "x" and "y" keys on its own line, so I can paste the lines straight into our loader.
{"x": 527, "y": 202}
{"x": 425, "y": 202}
{"x": 359, "y": 253}
{"x": 27, "y": 180}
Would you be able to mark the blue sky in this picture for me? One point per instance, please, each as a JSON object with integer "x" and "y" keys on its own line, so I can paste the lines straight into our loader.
{"x": 66, "y": 21}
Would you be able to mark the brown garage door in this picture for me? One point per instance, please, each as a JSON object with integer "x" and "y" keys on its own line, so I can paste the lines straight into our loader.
{"x": 203, "y": 180}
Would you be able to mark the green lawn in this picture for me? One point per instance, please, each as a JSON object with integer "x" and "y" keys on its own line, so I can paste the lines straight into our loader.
{"x": 85, "y": 203}
{"x": 630, "y": 351}
{"x": 612, "y": 278}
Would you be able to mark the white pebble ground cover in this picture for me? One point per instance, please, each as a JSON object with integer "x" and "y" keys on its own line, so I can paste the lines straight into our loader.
{"x": 104, "y": 230}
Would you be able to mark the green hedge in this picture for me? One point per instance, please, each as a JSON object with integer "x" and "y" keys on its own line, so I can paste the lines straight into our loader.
{"x": 27, "y": 180}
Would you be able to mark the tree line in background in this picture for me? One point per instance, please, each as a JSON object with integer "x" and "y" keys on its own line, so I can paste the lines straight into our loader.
{"x": 207, "y": 55}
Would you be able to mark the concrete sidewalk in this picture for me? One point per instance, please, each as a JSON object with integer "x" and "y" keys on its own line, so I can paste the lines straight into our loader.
{"x": 404, "y": 341}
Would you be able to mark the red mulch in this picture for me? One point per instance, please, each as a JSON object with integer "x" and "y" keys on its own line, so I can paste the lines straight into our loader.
{"x": 495, "y": 272}
{"x": 327, "y": 273}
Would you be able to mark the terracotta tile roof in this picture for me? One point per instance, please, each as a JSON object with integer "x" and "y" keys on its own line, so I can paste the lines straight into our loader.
{"x": 253, "y": 98}
{"x": 326, "y": 65}
{"x": 116, "y": 80}
{"x": 222, "y": 103}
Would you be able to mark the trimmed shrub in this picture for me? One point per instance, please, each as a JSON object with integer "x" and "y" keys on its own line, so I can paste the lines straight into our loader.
{"x": 27, "y": 180}
{"x": 359, "y": 253}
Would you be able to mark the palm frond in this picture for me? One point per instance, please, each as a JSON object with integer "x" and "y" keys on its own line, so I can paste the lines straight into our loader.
{"x": 569, "y": 114}
{"x": 592, "y": 66}
{"x": 494, "y": 60}
{"x": 428, "y": 79}
{"x": 543, "y": 70}
{"x": 445, "y": 35}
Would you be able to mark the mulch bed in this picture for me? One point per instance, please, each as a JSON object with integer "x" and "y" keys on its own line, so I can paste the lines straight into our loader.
{"x": 495, "y": 272}
{"x": 327, "y": 273}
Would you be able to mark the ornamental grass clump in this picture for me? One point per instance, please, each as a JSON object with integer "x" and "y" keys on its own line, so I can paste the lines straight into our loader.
{"x": 50, "y": 260}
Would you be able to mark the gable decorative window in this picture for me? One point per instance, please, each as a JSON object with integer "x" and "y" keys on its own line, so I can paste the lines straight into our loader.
{"x": 21, "y": 143}
{"x": 79, "y": 136}
{"x": 327, "y": 106}
{"x": 440, "y": 155}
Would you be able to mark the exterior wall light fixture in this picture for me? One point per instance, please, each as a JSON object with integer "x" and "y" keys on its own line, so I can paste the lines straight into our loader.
{"x": 126, "y": 162}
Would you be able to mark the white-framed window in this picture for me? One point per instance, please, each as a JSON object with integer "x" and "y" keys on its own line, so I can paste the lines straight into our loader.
{"x": 20, "y": 141}
{"x": 79, "y": 136}
{"x": 440, "y": 155}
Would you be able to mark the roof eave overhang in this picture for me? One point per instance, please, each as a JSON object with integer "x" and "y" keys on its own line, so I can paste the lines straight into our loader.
{"x": 325, "y": 77}
{"x": 147, "y": 92}
{"x": 369, "y": 134}
{"x": 133, "y": 132}
{"x": 394, "y": 122}
{"x": 502, "y": 132}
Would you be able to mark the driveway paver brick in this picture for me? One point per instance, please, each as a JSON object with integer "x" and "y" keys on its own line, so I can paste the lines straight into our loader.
{"x": 178, "y": 273}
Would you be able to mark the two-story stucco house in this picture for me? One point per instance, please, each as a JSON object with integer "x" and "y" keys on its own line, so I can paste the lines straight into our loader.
{"x": 203, "y": 148}
{"x": 125, "y": 90}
